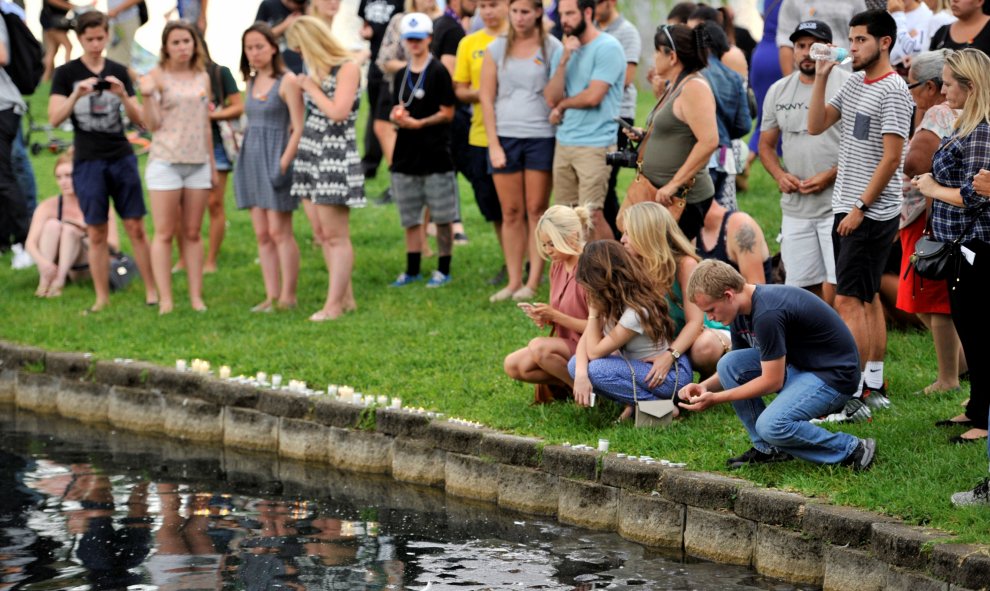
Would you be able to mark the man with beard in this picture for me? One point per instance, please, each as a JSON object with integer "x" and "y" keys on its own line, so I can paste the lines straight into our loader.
{"x": 584, "y": 94}
{"x": 806, "y": 177}
{"x": 873, "y": 109}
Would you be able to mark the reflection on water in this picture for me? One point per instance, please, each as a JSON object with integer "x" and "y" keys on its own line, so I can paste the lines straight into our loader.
{"x": 94, "y": 510}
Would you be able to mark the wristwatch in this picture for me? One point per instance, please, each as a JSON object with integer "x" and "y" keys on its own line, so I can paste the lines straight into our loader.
{"x": 674, "y": 353}
{"x": 861, "y": 205}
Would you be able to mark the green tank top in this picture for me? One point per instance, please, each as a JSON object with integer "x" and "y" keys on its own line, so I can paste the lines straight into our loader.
{"x": 668, "y": 147}
{"x": 675, "y": 309}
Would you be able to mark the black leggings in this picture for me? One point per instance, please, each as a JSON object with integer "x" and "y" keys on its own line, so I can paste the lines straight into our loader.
{"x": 969, "y": 315}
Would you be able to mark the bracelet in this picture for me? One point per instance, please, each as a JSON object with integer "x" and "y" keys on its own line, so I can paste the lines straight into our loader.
{"x": 592, "y": 317}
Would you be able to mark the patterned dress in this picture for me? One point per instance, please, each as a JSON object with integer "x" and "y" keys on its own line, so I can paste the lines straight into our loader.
{"x": 327, "y": 167}
{"x": 258, "y": 178}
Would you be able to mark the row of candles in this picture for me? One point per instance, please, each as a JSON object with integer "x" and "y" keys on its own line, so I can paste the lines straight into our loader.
{"x": 348, "y": 395}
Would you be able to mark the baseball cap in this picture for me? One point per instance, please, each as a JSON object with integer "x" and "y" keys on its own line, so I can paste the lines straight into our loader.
{"x": 415, "y": 25}
{"x": 816, "y": 29}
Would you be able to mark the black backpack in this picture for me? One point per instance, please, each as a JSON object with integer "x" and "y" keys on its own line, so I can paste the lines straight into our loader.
{"x": 24, "y": 64}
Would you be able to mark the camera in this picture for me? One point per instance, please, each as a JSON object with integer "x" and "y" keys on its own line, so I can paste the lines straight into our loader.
{"x": 101, "y": 85}
{"x": 626, "y": 158}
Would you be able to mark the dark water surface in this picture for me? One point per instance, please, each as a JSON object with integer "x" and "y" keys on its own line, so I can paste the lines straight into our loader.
{"x": 89, "y": 508}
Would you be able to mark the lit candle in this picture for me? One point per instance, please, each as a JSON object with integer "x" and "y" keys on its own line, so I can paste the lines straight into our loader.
{"x": 224, "y": 372}
{"x": 356, "y": 398}
{"x": 603, "y": 445}
{"x": 369, "y": 400}
{"x": 180, "y": 364}
{"x": 276, "y": 380}
{"x": 346, "y": 393}
{"x": 204, "y": 367}
{"x": 382, "y": 400}
{"x": 332, "y": 390}
{"x": 396, "y": 403}
{"x": 262, "y": 377}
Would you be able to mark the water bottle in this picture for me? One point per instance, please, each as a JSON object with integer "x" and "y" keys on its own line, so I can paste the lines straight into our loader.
{"x": 822, "y": 52}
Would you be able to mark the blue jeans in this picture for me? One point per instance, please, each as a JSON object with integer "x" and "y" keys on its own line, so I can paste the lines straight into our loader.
{"x": 783, "y": 424}
{"x": 610, "y": 377}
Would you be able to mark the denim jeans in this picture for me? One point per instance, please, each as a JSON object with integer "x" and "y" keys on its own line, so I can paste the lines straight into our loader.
{"x": 783, "y": 424}
{"x": 611, "y": 378}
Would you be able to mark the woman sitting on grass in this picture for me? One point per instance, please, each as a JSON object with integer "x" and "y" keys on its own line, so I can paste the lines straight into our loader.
{"x": 628, "y": 325}
{"x": 57, "y": 237}
{"x": 560, "y": 237}
{"x": 652, "y": 237}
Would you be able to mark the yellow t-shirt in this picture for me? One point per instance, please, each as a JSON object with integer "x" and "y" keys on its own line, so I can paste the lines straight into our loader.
{"x": 470, "y": 54}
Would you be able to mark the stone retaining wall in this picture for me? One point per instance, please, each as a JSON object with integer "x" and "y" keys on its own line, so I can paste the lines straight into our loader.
{"x": 710, "y": 516}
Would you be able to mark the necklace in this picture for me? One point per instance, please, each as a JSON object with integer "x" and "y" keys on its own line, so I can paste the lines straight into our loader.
{"x": 416, "y": 89}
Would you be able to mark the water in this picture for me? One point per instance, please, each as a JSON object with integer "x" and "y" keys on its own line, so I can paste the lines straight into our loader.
{"x": 89, "y": 508}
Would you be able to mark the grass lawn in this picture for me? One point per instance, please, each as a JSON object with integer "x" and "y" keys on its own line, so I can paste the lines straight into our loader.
{"x": 443, "y": 349}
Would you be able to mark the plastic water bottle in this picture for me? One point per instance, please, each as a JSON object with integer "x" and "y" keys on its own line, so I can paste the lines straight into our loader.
{"x": 821, "y": 52}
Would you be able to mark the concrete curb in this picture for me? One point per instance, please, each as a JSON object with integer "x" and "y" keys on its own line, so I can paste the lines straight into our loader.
{"x": 728, "y": 520}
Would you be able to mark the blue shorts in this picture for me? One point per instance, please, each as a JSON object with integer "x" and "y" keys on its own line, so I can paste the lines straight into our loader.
{"x": 220, "y": 155}
{"x": 527, "y": 153}
{"x": 97, "y": 181}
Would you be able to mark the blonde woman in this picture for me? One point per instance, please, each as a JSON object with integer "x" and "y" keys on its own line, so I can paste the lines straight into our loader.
{"x": 960, "y": 213}
{"x": 327, "y": 168}
{"x": 560, "y": 235}
{"x": 652, "y": 236}
{"x": 181, "y": 169}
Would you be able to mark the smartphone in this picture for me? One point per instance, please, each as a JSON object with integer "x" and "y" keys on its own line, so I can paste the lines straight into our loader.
{"x": 101, "y": 85}
{"x": 625, "y": 125}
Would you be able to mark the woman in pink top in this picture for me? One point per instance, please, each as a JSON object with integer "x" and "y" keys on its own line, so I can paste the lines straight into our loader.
{"x": 181, "y": 170}
{"x": 560, "y": 237}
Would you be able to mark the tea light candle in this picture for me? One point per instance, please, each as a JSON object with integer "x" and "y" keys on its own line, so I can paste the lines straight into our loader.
{"x": 603, "y": 445}
{"x": 382, "y": 400}
{"x": 204, "y": 367}
{"x": 396, "y": 403}
{"x": 262, "y": 377}
{"x": 180, "y": 364}
{"x": 332, "y": 390}
{"x": 346, "y": 393}
{"x": 276, "y": 380}
{"x": 356, "y": 398}
{"x": 592, "y": 405}
{"x": 224, "y": 372}
{"x": 369, "y": 400}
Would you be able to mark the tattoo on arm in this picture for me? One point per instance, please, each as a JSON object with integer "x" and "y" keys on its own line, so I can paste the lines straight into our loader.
{"x": 746, "y": 239}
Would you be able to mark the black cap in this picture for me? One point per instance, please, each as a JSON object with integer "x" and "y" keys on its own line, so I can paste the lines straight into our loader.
{"x": 816, "y": 29}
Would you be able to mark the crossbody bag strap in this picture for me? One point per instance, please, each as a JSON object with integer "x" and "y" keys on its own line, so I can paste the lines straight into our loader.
{"x": 653, "y": 116}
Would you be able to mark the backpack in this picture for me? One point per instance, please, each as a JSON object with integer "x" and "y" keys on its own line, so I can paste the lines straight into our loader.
{"x": 24, "y": 64}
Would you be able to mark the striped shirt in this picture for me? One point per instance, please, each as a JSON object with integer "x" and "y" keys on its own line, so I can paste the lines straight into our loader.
{"x": 955, "y": 163}
{"x": 869, "y": 110}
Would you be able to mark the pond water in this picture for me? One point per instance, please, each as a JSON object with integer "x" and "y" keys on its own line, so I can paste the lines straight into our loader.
{"x": 89, "y": 508}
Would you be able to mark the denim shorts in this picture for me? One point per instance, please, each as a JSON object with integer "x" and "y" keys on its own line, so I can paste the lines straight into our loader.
{"x": 220, "y": 156}
{"x": 97, "y": 181}
{"x": 527, "y": 153}
{"x": 170, "y": 176}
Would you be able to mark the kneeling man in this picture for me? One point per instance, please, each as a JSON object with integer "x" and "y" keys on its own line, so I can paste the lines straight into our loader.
{"x": 784, "y": 340}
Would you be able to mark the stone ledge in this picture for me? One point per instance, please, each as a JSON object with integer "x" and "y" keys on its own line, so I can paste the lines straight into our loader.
{"x": 136, "y": 409}
{"x": 360, "y": 451}
{"x": 651, "y": 520}
{"x": 568, "y": 462}
{"x": 280, "y": 403}
{"x": 965, "y": 565}
{"x": 630, "y": 474}
{"x": 843, "y": 526}
{"x": 192, "y": 419}
{"x": 128, "y": 375}
{"x": 788, "y": 555}
{"x": 83, "y": 401}
{"x": 772, "y": 507}
{"x": 701, "y": 489}
{"x": 471, "y": 477}
{"x": 248, "y": 429}
{"x": 400, "y": 423}
{"x": 69, "y": 365}
{"x": 14, "y": 356}
{"x": 8, "y": 385}
{"x": 227, "y": 393}
{"x": 512, "y": 449}
{"x": 904, "y": 545}
{"x": 587, "y": 504}
{"x": 334, "y": 413}
{"x": 38, "y": 392}
{"x": 455, "y": 438}
{"x": 303, "y": 440}
{"x": 172, "y": 381}
{"x": 847, "y": 569}
{"x": 719, "y": 536}
{"x": 527, "y": 490}
{"x": 416, "y": 461}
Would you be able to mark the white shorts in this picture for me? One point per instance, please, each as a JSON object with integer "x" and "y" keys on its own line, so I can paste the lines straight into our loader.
{"x": 806, "y": 250}
{"x": 167, "y": 176}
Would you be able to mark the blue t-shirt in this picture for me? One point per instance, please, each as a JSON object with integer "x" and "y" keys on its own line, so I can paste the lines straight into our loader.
{"x": 603, "y": 59}
{"x": 791, "y": 321}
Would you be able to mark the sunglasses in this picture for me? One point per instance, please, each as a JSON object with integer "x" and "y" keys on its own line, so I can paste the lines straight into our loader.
{"x": 937, "y": 81}
{"x": 666, "y": 31}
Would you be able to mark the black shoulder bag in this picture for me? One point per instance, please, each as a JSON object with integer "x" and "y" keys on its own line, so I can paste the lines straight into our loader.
{"x": 934, "y": 259}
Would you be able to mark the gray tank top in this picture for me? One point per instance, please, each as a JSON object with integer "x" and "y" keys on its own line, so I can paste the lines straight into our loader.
{"x": 668, "y": 147}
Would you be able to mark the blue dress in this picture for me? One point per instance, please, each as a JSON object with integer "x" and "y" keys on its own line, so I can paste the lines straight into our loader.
{"x": 765, "y": 67}
{"x": 258, "y": 180}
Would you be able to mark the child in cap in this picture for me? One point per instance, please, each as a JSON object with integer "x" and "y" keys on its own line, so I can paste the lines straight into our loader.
{"x": 422, "y": 166}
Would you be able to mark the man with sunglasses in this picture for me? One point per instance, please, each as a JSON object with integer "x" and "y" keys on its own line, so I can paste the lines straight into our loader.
{"x": 805, "y": 178}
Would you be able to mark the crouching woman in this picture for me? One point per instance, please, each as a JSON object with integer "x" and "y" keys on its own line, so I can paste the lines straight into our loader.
{"x": 628, "y": 326}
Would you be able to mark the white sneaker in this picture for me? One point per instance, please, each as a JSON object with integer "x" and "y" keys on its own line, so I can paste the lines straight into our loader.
{"x": 21, "y": 260}
{"x": 853, "y": 412}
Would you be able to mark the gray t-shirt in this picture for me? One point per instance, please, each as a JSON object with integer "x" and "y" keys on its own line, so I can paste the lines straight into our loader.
{"x": 10, "y": 97}
{"x": 640, "y": 346}
{"x": 869, "y": 110}
{"x": 627, "y": 35}
{"x": 835, "y": 13}
{"x": 805, "y": 155}
{"x": 520, "y": 109}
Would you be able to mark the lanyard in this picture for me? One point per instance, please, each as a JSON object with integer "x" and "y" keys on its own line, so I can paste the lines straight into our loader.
{"x": 416, "y": 90}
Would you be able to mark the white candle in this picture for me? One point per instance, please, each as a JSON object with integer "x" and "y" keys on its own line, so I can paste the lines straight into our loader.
{"x": 347, "y": 393}
{"x": 224, "y": 372}
{"x": 356, "y": 398}
{"x": 382, "y": 400}
{"x": 592, "y": 399}
{"x": 369, "y": 400}
{"x": 262, "y": 377}
{"x": 205, "y": 367}
{"x": 276, "y": 380}
{"x": 396, "y": 403}
{"x": 180, "y": 364}
{"x": 603, "y": 445}
{"x": 332, "y": 390}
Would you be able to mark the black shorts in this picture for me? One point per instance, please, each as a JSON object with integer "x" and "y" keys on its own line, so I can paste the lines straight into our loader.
{"x": 482, "y": 184}
{"x": 382, "y": 108}
{"x": 861, "y": 257}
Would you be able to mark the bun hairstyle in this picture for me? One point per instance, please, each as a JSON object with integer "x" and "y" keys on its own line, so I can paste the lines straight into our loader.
{"x": 690, "y": 45}
{"x": 717, "y": 40}
{"x": 566, "y": 227}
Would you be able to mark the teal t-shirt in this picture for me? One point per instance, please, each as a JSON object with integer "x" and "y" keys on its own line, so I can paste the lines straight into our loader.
{"x": 603, "y": 59}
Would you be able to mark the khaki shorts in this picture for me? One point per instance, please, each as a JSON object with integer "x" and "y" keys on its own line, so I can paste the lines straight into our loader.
{"x": 122, "y": 41}
{"x": 580, "y": 175}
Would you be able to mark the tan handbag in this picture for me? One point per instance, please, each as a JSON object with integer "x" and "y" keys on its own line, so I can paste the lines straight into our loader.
{"x": 653, "y": 413}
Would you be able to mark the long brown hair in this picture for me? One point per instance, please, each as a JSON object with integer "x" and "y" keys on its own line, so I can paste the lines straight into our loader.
{"x": 199, "y": 53}
{"x": 262, "y": 28}
{"x": 541, "y": 32}
{"x": 614, "y": 281}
